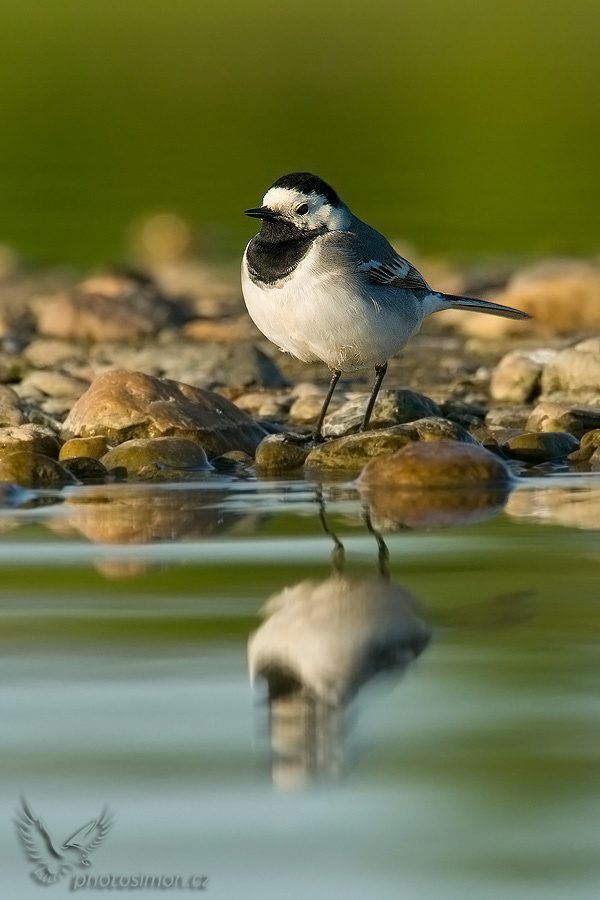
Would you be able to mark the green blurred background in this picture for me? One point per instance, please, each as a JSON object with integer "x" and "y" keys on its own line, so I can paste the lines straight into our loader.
{"x": 468, "y": 127}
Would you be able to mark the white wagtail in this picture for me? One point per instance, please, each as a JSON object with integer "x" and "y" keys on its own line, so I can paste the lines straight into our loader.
{"x": 322, "y": 285}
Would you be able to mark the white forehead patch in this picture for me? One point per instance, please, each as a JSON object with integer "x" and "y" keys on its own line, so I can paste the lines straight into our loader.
{"x": 279, "y": 198}
{"x": 320, "y": 210}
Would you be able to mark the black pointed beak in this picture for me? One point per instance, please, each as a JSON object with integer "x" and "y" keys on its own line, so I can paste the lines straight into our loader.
{"x": 263, "y": 212}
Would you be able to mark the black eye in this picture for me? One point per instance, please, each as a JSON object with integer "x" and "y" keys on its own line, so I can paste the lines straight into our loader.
{"x": 302, "y": 209}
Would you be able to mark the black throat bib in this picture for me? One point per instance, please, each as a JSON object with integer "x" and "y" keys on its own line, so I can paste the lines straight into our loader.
{"x": 276, "y": 251}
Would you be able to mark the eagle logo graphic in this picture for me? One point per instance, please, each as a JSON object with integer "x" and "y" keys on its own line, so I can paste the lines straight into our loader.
{"x": 54, "y": 861}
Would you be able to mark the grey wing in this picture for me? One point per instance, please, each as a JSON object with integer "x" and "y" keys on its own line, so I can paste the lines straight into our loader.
{"x": 93, "y": 833}
{"x": 374, "y": 258}
{"x": 35, "y": 838}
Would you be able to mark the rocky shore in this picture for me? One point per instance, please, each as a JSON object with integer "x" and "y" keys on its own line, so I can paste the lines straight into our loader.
{"x": 162, "y": 377}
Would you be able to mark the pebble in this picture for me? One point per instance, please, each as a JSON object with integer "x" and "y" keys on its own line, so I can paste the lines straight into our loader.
{"x": 575, "y": 373}
{"x": 157, "y": 459}
{"x": 91, "y": 448}
{"x": 538, "y": 447}
{"x": 391, "y": 408}
{"x": 36, "y": 438}
{"x": 9, "y": 397}
{"x": 52, "y": 383}
{"x": 106, "y": 308}
{"x": 507, "y": 417}
{"x": 11, "y": 415}
{"x": 305, "y": 410}
{"x": 122, "y": 405}
{"x": 577, "y": 420}
{"x": 438, "y": 485}
{"x": 281, "y": 453}
{"x": 590, "y": 443}
{"x": 86, "y": 469}
{"x": 52, "y": 353}
{"x": 34, "y": 470}
{"x": 517, "y": 377}
{"x": 445, "y": 464}
{"x": 353, "y": 451}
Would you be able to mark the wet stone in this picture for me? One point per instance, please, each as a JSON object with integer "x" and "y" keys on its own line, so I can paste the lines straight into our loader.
{"x": 577, "y": 420}
{"x": 36, "y": 438}
{"x": 91, "y": 448}
{"x": 86, "y": 469}
{"x": 590, "y": 443}
{"x": 124, "y": 405}
{"x": 434, "y": 486}
{"x": 538, "y": 447}
{"x": 11, "y": 415}
{"x": 281, "y": 453}
{"x": 391, "y": 408}
{"x": 158, "y": 459}
{"x": 34, "y": 470}
{"x": 446, "y": 464}
{"x": 354, "y": 450}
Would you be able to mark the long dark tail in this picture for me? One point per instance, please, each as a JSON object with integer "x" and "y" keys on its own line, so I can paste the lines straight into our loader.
{"x": 484, "y": 306}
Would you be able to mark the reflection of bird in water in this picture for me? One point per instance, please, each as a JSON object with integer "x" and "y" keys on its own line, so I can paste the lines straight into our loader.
{"x": 321, "y": 641}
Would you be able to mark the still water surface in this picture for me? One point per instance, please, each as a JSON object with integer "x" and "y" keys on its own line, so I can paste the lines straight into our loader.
{"x": 429, "y": 726}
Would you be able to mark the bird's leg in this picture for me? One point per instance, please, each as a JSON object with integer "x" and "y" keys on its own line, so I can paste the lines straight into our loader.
{"x": 379, "y": 376}
{"x": 335, "y": 377}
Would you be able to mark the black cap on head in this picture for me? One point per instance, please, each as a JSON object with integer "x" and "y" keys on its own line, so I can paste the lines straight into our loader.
{"x": 307, "y": 183}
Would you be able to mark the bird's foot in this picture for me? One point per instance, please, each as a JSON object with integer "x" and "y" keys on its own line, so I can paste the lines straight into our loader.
{"x": 314, "y": 437}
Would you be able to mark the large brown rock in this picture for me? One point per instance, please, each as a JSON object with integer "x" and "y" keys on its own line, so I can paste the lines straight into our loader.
{"x": 124, "y": 405}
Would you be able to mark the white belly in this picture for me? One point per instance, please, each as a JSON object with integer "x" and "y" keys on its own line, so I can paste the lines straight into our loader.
{"x": 322, "y": 317}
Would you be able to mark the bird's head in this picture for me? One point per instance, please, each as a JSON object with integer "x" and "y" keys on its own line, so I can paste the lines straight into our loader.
{"x": 300, "y": 204}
